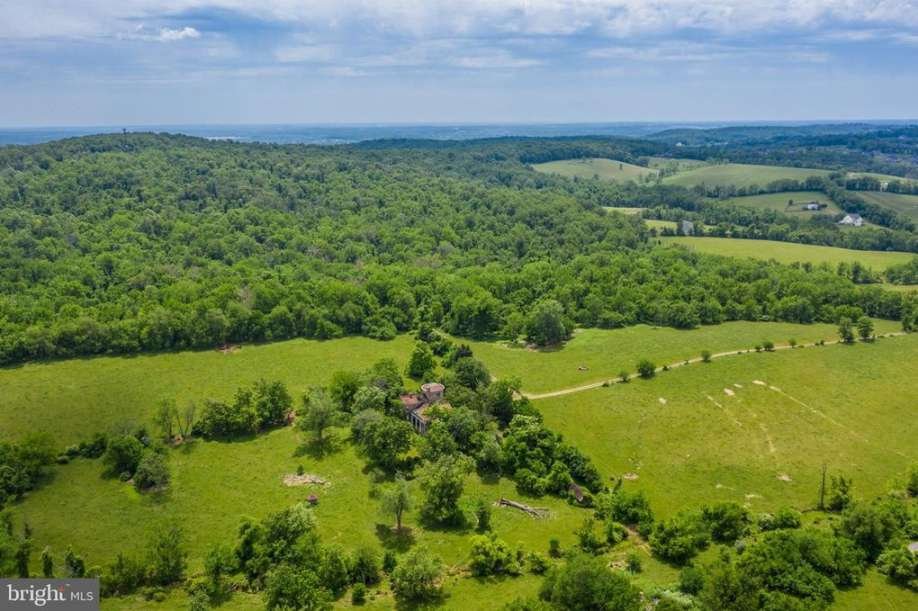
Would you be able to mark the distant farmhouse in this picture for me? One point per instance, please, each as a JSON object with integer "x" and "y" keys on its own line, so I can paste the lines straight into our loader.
{"x": 418, "y": 405}
{"x": 854, "y": 220}
{"x": 687, "y": 227}
{"x": 812, "y": 206}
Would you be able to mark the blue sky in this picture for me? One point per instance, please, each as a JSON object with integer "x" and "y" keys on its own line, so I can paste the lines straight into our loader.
{"x": 112, "y": 62}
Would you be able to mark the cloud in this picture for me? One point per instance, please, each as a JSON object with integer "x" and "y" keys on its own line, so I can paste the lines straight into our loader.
{"x": 425, "y": 18}
{"x": 172, "y": 35}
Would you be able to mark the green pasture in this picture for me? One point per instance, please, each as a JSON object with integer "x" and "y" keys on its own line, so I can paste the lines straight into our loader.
{"x": 594, "y": 355}
{"x": 788, "y": 252}
{"x": 906, "y": 205}
{"x": 753, "y": 428}
{"x": 740, "y": 175}
{"x": 790, "y": 202}
{"x": 604, "y": 169}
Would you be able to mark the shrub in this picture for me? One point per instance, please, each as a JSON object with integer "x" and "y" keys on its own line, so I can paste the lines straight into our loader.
{"x": 615, "y": 532}
{"x": 691, "y": 580}
{"x": 624, "y": 377}
{"x": 554, "y": 548}
{"x": 364, "y": 566}
{"x": 629, "y": 508}
{"x": 585, "y": 582}
{"x": 359, "y": 594}
{"x": 492, "y": 556}
{"x": 705, "y": 356}
{"x": 417, "y": 577}
{"x": 768, "y": 346}
{"x": 679, "y": 538}
{"x": 783, "y": 518}
{"x": 634, "y": 563}
{"x": 152, "y": 472}
{"x": 646, "y": 369}
{"x": 587, "y": 538}
{"x": 726, "y": 522}
{"x": 900, "y": 565}
{"x": 123, "y": 454}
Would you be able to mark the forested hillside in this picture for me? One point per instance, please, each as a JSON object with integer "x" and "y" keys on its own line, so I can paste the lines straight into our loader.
{"x": 132, "y": 242}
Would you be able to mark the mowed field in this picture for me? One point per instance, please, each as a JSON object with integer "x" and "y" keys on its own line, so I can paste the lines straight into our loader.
{"x": 594, "y": 355}
{"x": 778, "y": 202}
{"x": 605, "y": 169}
{"x": 740, "y": 175}
{"x": 906, "y": 205}
{"x": 754, "y": 428}
{"x": 788, "y": 252}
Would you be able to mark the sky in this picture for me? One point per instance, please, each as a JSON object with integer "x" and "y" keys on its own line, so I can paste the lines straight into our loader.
{"x": 157, "y": 62}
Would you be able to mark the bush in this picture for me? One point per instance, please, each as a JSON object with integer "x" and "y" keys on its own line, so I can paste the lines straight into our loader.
{"x": 634, "y": 563}
{"x": 624, "y": 377}
{"x": 152, "y": 472}
{"x": 900, "y": 565}
{"x": 123, "y": 454}
{"x": 585, "y": 582}
{"x": 679, "y": 538}
{"x": 646, "y": 369}
{"x": 629, "y": 508}
{"x": 726, "y": 522}
{"x": 364, "y": 566}
{"x": 783, "y": 518}
{"x": 359, "y": 594}
{"x": 615, "y": 532}
{"x": 417, "y": 577}
{"x": 492, "y": 556}
{"x": 691, "y": 580}
{"x": 705, "y": 356}
{"x": 554, "y": 548}
{"x": 768, "y": 346}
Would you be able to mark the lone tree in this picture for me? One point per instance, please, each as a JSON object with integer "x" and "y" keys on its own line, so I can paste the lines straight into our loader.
{"x": 319, "y": 413}
{"x": 421, "y": 364}
{"x": 396, "y": 500}
{"x": 646, "y": 369}
{"x": 846, "y": 330}
{"x": 865, "y": 328}
{"x": 546, "y": 324}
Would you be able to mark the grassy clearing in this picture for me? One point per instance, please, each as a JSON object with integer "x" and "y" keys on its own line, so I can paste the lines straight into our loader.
{"x": 674, "y": 164}
{"x": 73, "y": 399}
{"x": 788, "y": 252}
{"x": 721, "y": 436}
{"x": 659, "y": 225}
{"x": 624, "y": 210}
{"x": 606, "y": 352}
{"x": 876, "y": 594}
{"x": 906, "y": 205}
{"x": 604, "y": 169}
{"x": 778, "y": 202}
{"x": 740, "y": 175}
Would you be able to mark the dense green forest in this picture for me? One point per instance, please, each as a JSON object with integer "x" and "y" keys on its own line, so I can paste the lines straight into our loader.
{"x": 132, "y": 242}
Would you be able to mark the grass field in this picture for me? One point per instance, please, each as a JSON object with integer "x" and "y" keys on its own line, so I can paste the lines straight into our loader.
{"x": 73, "y": 399}
{"x": 605, "y": 169}
{"x": 788, "y": 252}
{"x": 720, "y": 435}
{"x": 906, "y": 205}
{"x": 740, "y": 175}
{"x": 779, "y": 202}
{"x": 624, "y": 210}
{"x": 660, "y": 225}
{"x": 679, "y": 165}
{"x": 606, "y": 352}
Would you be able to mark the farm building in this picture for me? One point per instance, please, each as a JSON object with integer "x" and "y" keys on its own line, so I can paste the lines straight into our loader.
{"x": 418, "y": 405}
{"x": 687, "y": 227}
{"x": 812, "y": 206}
{"x": 852, "y": 219}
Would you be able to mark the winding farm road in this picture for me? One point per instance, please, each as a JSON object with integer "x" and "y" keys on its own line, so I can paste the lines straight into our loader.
{"x": 575, "y": 389}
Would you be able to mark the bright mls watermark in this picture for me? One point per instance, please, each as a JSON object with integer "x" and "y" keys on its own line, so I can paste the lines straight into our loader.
{"x": 61, "y": 594}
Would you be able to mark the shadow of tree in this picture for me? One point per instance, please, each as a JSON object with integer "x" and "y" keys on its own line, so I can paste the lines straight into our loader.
{"x": 394, "y": 539}
{"x": 319, "y": 448}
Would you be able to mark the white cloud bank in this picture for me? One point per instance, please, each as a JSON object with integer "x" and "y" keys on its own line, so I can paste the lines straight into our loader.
{"x": 425, "y": 18}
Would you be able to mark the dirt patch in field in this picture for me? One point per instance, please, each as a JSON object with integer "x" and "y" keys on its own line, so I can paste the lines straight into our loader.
{"x": 662, "y": 401}
{"x": 630, "y": 476}
{"x": 784, "y": 477}
{"x": 306, "y": 479}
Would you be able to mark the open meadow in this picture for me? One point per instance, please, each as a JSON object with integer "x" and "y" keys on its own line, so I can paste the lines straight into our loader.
{"x": 739, "y": 175}
{"x": 754, "y": 428}
{"x": 604, "y": 169}
{"x": 788, "y": 252}
{"x": 906, "y": 205}
{"x": 788, "y": 202}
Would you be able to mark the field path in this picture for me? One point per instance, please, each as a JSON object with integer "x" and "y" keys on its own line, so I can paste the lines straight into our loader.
{"x": 575, "y": 389}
